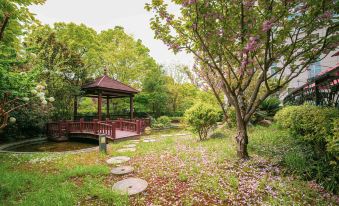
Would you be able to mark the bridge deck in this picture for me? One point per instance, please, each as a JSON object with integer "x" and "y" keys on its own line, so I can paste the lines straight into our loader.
{"x": 114, "y": 130}
{"x": 119, "y": 134}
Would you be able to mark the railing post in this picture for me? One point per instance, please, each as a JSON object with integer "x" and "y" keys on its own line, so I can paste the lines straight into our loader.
{"x": 59, "y": 128}
{"x": 138, "y": 126}
{"x": 121, "y": 124}
{"x": 81, "y": 124}
{"x": 113, "y": 130}
{"x": 95, "y": 126}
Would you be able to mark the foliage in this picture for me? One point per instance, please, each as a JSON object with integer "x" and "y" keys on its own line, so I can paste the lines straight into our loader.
{"x": 294, "y": 156}
{"x": 238, "y": 42}
{"x": 232, "y": 119}
{"x": 309, "y": 123}
{"x": 333, "y": 140}
{"x": 218, "y": 135}
{"x": 267, "y": 109}
{"x": 126, "y": 59}
{"x": 164, "y": 120}
{"x": 314, "y": 128}
{"x": 155, "y": 91}
{"x": 202, "y": 118}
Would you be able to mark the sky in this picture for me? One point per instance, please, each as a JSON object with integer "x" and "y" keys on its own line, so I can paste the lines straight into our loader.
{"x": 105, "y": 14}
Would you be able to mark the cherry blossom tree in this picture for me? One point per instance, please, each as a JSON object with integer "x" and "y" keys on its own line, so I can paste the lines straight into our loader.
{"x": 240, "y": 40}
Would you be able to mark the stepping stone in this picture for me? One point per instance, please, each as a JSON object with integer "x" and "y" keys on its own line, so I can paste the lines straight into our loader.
{"x": 149, "y": 140}
{"x": 135, "y": 141}
{"x": 182, "y": 134}
{"x": 129, "y": 146}
{"x": 117, "y": 160}
{"x": 126, "y": 150}
{"x": 131, "y": 186}
{"x": 166, "y": 135}
{"x": 122, "y": 170}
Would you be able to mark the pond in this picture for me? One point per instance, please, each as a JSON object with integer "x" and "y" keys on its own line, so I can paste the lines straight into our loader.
{"x": 50, "y": 146}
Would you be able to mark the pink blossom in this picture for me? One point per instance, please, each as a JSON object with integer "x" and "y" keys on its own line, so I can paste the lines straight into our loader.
{"x": 189, "y": 2}
{"x": 169, "y": 18}
{"x": 249, "y": 3}
{"x": 326, "y": 15}
{"x": 267, "y": 25}
{"x": 251, "y": 45}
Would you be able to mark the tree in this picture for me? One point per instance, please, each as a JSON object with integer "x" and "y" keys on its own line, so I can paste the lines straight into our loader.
{"x": 154, "y": 88}
{"x": 59, "y": 65}
{"x": 126, "y": 59}
{"x": 240, "y": 40}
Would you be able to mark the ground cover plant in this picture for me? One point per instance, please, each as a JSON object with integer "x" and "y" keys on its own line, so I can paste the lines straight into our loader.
{"x": 180, "y": 170}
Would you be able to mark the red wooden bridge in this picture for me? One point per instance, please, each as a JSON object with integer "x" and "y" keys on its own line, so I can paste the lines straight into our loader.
{"x": 113, "y": 129}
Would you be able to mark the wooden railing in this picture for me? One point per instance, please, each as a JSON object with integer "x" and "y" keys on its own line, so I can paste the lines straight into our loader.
{"x": 107, "y": 127}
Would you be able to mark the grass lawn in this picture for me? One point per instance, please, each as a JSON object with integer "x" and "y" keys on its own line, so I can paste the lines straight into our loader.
{"x": 180, "y": 170}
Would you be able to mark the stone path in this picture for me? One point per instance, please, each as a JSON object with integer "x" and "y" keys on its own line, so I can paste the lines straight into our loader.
{"x": 127, "y": 150}
{"x": 122, "y": 170}
{"x": 118, "y": 160}
{"x": 131, "y": 186}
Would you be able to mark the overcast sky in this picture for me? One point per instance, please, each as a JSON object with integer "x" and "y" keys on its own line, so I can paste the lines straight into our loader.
{"x": 105, "y": 14}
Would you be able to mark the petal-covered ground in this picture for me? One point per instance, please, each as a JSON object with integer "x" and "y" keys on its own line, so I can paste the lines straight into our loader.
{"x": 179, "y": 169}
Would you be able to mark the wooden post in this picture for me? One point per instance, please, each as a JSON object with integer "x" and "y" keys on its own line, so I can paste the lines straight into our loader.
{"x": 81, "y": 124}
{"x": 138, "y": 126}
{"x": 113, "y": 130}
{"x": 59, "y": 129}
{"x": 131, "y": 107}
{"x": 107, "y": 108}
{"x": 95, "y": 122}
{"x": 99, "y": 105}
{"x": 75, "y": 108}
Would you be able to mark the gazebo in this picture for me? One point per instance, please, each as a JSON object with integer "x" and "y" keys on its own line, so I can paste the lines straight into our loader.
{"x": 101, "y": 88}
{"x": 106, "y": 88}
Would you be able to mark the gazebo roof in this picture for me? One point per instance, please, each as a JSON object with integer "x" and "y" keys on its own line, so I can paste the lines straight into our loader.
{"x": 108, "y": 86}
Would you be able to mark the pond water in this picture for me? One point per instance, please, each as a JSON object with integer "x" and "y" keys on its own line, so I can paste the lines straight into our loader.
{"x": 49, "y": 146}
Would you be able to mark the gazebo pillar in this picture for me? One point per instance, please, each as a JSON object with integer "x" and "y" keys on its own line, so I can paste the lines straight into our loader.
{"x": 99, "y": 105}
{"x": 131, "y": 107}
{"x": 107, "y": 107}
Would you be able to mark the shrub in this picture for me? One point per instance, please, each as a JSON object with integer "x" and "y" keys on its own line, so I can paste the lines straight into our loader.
{"x": 202, "y": 118}
{"x": 176, "y": 119}
{"x": 333, "y": 140}
{"x": 284, "y": 116}
{"x": 315, "y": 128}
{"x": 309, "y": 123}
{"x": 270, "y": 105}
{"x": 164, "y": 120}
{"x": 218, "y": 135}
{"x": 232, "y": 120}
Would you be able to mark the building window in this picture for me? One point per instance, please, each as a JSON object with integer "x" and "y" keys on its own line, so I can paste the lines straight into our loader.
{"x": 314, "y": 69}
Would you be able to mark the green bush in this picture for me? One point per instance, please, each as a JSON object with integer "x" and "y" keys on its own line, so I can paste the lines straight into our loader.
{"x": 284, "y": 116}
{"x": 232, "y": 119}
{"x": 201, "y": 118}
{"x": 309, "y": 123}
{"x": 316, "y": 130}
{"x": 176, "y": 119}
{"x": 270, "y": 105}
{"x": 333, "y": 140}
{"x": 164, "y": 120}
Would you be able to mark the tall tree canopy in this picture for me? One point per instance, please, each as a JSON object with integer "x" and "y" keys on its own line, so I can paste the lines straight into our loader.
{"x": 238, "y": 41}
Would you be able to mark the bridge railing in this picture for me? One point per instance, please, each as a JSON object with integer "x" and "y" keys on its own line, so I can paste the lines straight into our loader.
{"x": 107, "y": 127}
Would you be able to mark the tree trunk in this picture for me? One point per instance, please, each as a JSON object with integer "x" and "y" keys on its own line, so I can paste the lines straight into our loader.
{"x": 242, "y": 138}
